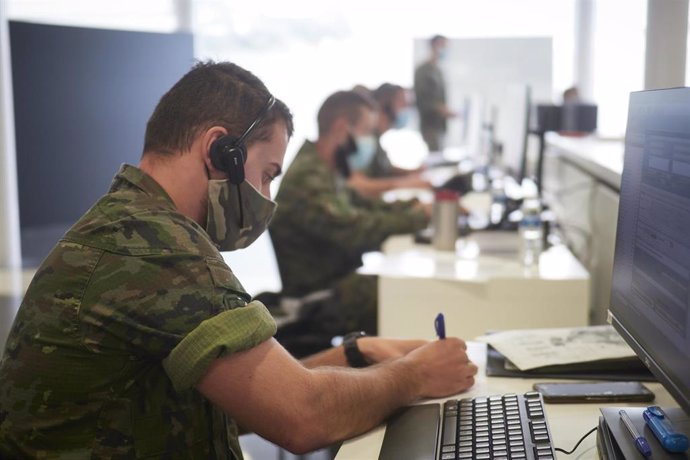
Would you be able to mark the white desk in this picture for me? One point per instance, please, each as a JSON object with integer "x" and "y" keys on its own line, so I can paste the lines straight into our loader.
{"x": 481, "y": 286}
{"x": 568, "y": 422}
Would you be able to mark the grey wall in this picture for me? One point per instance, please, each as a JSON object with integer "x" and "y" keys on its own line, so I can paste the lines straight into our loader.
{"x": 82, "y": 99}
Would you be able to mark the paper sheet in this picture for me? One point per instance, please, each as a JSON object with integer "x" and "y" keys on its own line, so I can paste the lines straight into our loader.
{"x": 533, "y": 348}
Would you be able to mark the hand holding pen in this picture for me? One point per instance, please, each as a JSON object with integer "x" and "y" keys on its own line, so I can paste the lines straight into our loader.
{"x": 441, "y": 367}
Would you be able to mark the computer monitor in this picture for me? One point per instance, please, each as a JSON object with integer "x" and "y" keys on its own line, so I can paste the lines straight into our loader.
{"x": 512, "y": 129}
{"x": 570, "y": 117}
{"x": 650, "y": 298}
{"x": 548, "y": 118}
{"x": 578, "y": 118}
{"x": 474, "y": 122}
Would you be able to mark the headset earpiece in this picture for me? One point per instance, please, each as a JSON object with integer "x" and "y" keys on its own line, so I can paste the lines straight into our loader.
{"x": 228, "y": 155}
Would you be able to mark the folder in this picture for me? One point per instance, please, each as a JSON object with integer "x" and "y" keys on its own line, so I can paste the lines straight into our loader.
{"x": 609, "y": 369}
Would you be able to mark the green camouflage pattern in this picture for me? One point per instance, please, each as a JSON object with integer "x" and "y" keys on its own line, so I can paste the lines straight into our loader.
{"x": 321, "y": 229}
{"x": 223, "y": 216}
{"x": 430, "y": 94}
{"x": 120, "y": 321}
{"x": 380, "y": 166}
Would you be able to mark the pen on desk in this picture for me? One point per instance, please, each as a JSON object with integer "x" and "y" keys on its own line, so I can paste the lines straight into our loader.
{"x": 440, "y": 326}
{"x": 640, "y": 441}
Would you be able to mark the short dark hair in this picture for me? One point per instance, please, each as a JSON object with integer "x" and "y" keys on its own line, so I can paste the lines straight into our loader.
{"x": 437, "y": 38}
{"x": 384, "y": 95}
{"x": 212, "y": 94}
{"x": 347, "y": 103}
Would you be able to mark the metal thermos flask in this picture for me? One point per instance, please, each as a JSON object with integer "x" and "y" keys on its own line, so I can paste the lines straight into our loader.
{"x": 445, "y": 219}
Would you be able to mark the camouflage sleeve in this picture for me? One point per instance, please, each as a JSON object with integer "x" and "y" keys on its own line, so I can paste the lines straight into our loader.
{"x": 184, "y": 310}
{"x": 410, "y": 206}
{"x": 229, "y": 332}
{"x": 317, "y": 210}
{"x": 381, "y": 165}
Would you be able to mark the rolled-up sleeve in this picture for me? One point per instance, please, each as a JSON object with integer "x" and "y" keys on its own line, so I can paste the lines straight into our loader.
{"x": 232, "y": 331}
{"x": 181, "y": 311}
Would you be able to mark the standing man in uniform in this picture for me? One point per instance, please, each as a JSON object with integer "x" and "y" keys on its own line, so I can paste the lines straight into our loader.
{"x": 135, "y": 339}
{"x": 322, "y": 227}
{"x": 430, "y": 96}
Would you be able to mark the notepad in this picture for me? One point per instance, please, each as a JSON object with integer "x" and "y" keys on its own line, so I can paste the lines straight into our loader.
{"x": 529, "y": 349}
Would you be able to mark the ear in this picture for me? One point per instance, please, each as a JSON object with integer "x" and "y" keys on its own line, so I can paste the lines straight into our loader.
{"x": 340, "y": 129}
{"x": 206, "y": 141}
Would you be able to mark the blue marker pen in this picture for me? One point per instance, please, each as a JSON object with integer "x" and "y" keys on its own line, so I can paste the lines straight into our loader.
{"x": 440, "y": 326}
{"x": 662, "y": 428}
{"x": 639, "y": 440}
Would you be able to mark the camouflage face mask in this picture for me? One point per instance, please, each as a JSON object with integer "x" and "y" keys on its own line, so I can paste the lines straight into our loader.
{"x": 230, "y": 226}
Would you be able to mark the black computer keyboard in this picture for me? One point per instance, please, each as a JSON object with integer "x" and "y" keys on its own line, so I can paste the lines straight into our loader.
{"x": 496, "y": 427}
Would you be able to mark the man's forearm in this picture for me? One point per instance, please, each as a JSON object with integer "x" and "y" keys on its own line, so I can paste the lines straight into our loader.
{"x": 312, "y": 408}
{"x": 332, "y": 357}
{"x": 352, "y": 401}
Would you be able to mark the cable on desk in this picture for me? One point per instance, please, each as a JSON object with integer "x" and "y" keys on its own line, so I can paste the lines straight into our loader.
{"x": 578, "y": 443}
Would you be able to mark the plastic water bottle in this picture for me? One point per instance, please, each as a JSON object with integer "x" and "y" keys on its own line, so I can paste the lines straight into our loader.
{"x": 531, "y": 231}
{"x": 497, "y": 210}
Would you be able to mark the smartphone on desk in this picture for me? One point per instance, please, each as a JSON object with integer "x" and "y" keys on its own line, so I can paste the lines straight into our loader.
{"x": 560, "y": 392}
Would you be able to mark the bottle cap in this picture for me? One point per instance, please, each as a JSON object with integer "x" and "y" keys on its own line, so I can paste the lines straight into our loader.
{"x": 445, "y": 194}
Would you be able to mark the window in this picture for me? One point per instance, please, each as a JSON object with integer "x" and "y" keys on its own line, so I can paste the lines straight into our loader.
{"x": 618, "y": 60}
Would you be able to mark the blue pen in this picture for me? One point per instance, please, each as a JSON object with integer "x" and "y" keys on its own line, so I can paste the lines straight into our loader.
{"x": 440, "y": 326}
{"x": 640, "y": 441}
{"x": 662, "y": 428}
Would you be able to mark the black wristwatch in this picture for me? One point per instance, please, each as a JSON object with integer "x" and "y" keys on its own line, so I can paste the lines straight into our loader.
{"x": 354, "y": 356}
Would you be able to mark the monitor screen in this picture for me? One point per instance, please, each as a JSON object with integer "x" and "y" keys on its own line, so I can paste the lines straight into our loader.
{"x": 512, "y": 128}
{"x": 569, "y": 118}
{"x": 579, "y": 118}
{"x": 650, "y": 299}
{"x": 82, "y": 98}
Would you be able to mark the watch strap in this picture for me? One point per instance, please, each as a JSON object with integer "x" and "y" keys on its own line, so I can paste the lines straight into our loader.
{"x": 354, "y": 356}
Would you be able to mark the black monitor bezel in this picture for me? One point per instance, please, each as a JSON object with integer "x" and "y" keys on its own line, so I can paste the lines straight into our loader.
{"x": 668, "y": 382}
{"x": 651, "y": 364}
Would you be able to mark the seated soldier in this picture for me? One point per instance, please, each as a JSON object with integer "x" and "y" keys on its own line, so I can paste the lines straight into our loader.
{"x": 322, "y": 227}
{"x": 135, "y": 339}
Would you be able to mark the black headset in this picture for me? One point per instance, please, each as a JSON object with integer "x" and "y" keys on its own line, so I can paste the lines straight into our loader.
{"x": 229, "y": 153}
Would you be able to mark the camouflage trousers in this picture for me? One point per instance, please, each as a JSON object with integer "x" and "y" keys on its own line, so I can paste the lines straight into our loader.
{"x": 351, "y": 305}
{"x": 356, "y": 297}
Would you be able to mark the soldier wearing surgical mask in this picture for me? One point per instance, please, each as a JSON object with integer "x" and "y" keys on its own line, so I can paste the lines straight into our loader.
{"x": 322, "y": 226}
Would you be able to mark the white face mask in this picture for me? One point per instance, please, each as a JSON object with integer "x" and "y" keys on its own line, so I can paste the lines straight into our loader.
{"x": 235, "y": 222}
{"x": 366, "y": 149}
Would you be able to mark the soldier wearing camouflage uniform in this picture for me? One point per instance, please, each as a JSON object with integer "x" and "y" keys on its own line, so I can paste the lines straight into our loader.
{"x": 322, "y": 228}
{"x": 135, "y": 339}
{"x": 430, "y": 96}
